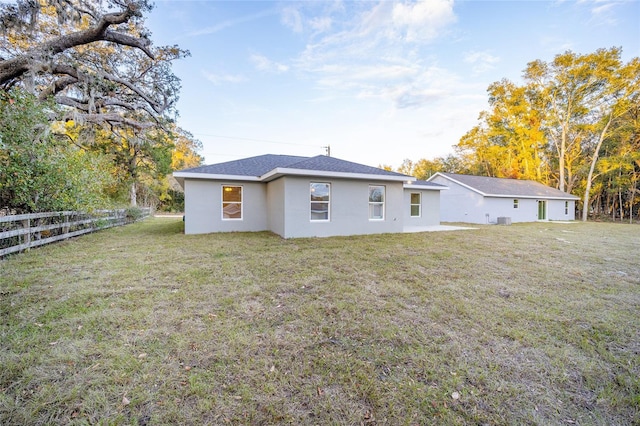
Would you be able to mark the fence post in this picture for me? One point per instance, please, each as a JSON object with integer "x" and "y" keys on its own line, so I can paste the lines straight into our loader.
{"x": 66, "y": 226}
{"x": 26, "y": 224}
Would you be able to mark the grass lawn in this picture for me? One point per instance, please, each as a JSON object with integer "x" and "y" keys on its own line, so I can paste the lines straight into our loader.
{"x": 523, "y": 324}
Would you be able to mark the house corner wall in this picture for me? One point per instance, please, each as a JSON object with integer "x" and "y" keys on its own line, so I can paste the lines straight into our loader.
{"x": 276, "y": 206}
{"x": 429, "y": 208}
{"x": 203, "y": 207}
{"x": 556, "y": 210}
{"x": 460, "y": 204}
{"x": 198, "y": 207}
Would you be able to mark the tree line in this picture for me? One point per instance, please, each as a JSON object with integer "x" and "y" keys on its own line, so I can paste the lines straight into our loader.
{"x": 573, "y": 124}
{"x": 87, "y": 108}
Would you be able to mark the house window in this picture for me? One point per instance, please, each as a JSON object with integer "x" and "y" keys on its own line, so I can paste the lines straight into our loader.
{"x": 376, "y": 202}
{"x": 566, "y": 207}
{"x": 515, "y": 204}
{"x": 320, "y": 194}
{"x": 231, "y": 202}
{"x": 415, "y": 204}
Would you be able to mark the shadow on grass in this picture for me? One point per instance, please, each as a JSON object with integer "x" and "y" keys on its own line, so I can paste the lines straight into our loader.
{"x": 169, "y": 227}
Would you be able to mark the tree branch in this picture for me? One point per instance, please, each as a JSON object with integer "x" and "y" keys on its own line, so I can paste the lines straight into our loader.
{"x": 97, "y": 33}
{"x": 101, "y": 103}
{"x": 57, "y": 86}
{"x": 74, "y": 103}
{"x": 157, "y": 107}
{"x": 111, "y": 118}
{"x": 127, "y": 40}
{"x": 77, "y": 76}
{"x": 35, "y": 58}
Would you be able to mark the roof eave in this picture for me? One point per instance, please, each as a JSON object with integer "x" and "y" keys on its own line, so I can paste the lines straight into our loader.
{"x": 212, "y": 176}
{"x": 429, "y": 187}
{"x": 471, "y": 188}
{"x": 536, "y": 197}
{"x": 283, "y": 171}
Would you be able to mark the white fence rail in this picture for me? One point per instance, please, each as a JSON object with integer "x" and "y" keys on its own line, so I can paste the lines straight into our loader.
{"x": 24, "y": 231}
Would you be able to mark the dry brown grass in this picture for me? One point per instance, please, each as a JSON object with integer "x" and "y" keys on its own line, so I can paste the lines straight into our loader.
{"x": 523, "y": 324}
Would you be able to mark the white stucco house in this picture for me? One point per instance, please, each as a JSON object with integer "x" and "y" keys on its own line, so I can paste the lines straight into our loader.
{"x": 480, "y": 199}
{"x": 305, "y": 197}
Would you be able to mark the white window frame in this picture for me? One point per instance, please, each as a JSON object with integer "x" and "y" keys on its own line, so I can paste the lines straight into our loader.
{"x": 372, "y": 204}
{"x": 516, "y": 203}
{"x": 311, "y": 202}
{"x": 223, "y": 202}
{"x": 412, "y": 204}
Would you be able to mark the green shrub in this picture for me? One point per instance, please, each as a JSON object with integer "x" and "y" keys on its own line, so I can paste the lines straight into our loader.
{"x": 39, "y": 172}
{"x": 134, "y": 213}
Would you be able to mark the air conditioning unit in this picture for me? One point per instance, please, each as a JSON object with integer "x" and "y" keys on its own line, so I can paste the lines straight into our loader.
{"x": 504, "y": 221}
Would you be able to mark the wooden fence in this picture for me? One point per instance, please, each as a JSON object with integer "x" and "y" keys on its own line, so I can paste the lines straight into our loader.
{"x": 24, "y": 231}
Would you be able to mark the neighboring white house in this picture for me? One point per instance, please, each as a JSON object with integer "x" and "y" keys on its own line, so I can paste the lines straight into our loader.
{"x": 305, "y": 197}
{"x": 479, "y": 199}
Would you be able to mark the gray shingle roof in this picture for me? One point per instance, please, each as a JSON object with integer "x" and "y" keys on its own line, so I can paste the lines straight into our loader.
{"x": 508, "y": 187}
{"x": 252, "y": 166}
{"x": 332, "y": 164}
{"x": 258, "y": 166}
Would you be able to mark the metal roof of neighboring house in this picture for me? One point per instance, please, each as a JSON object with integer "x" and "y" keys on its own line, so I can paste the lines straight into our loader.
{"x": 502, "y": 187}
{"x": 267, "y": 167}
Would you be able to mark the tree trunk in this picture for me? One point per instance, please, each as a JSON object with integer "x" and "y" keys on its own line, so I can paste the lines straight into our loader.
{"x": 594, "y": 160}
{"x": 610, "y": 200}
{"x": 133, "y": 195}
{"x": 634, "y": 183}
{"x": 132, "y": 168}
{"x": 620, "y": 206}
{"x": 562, "y": 153}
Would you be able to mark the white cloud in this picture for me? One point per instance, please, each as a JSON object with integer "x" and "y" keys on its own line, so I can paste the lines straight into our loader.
{"x": 554, "y": 44}
{"x": 218, "y": 79}
{"x": 265, "y": 64}
{"x": 231, "y": 23}
{"x": 292, "y": 18}
{"x": 366, "y": 81}
{"x": 383, "y": 28}
{"x": 421, "y": 87}
{"x": 481, "y": 61}
{"x": 311, "y": 17}
{"x": 603, "y": 11}
{"x": 379, "y": 72}
{"x": 413, "y": 97}
{"x": 422, "y": 21}
{"x": 431, "y": 86}
{"x": 376, "y": 50}
{"x": 321, "y": 24}
{"x": 604, "y": 14}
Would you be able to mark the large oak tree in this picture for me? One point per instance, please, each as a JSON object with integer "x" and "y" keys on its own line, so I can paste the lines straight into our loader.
{"x": 95, "y": 57}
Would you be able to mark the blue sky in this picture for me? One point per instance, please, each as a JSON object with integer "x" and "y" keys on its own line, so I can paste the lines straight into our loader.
{"x": 378, "y": 81}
